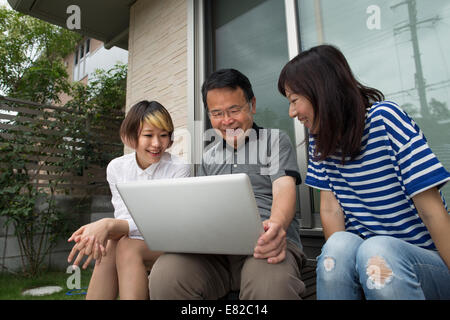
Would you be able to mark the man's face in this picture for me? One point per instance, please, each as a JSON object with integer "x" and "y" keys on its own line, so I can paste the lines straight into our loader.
{"x": 230, "y": 113}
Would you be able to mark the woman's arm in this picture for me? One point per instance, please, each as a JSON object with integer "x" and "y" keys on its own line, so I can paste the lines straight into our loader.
{"x": 103, "y": 229}
{"x": 331, "y": 214}
{"x": 437, "y": 220}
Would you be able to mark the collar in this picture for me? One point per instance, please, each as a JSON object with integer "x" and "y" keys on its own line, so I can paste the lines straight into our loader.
{"x": 150, "y": 169}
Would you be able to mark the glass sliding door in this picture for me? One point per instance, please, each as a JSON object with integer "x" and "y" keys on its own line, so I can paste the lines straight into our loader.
{"x": 398, "y": 47}
{"x": 251, "y": 36}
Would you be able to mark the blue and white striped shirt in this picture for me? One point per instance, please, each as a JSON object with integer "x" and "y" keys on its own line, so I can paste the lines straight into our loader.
{"x": 375, "y": 189}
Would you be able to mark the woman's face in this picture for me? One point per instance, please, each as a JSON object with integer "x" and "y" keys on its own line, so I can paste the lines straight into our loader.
{"x": 300, "y": 108}
{"x": 152, "y": 143}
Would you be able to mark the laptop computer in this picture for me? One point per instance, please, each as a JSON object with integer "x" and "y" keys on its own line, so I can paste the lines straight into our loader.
{"x": 210, "y": 214}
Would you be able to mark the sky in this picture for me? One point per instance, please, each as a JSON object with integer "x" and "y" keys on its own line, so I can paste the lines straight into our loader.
{"x": 4, "y": 2}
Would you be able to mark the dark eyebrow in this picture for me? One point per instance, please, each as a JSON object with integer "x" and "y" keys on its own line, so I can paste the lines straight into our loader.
{"x": 234, "y": 105}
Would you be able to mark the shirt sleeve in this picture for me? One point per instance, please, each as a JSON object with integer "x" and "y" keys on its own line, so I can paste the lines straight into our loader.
{"x": 282, "y": 157}
{"x": 183, "y": 170}
{"x": 420, "y": 169}
{"x": 316, "y": 176}
{"x": 120, "y": 209}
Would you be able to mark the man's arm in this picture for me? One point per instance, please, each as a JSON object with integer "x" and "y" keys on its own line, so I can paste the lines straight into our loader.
{"x": 272, "y": 244}
{"x": 433, "y": 214}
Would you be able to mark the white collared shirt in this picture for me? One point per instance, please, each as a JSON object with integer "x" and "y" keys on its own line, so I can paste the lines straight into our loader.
{"x": 126, "y": 169}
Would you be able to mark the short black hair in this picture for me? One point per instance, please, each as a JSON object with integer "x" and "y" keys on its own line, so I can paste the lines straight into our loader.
{"x": 227, "y": 78}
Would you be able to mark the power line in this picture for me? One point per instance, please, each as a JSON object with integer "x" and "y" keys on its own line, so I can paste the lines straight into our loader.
{"x": 412, "y": 26}
{"x": 429, "y": 87}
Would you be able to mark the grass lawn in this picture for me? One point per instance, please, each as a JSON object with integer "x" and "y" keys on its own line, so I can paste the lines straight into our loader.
{"x": 12, "y": 286}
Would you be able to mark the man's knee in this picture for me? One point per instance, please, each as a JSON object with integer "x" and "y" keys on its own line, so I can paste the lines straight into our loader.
{"x": 178, "y": 276}
{"x": 260, "y": 280}
{"x": 164, "y": 277}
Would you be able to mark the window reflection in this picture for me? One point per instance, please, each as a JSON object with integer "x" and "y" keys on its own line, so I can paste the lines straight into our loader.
{"x": 251, "y": 36}
{"x": 404, "y": 53}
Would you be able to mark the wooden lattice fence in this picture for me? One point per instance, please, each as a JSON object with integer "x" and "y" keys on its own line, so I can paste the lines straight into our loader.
{"x": 58, "y": 147}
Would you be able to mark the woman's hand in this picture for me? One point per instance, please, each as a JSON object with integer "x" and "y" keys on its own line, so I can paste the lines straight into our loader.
{"x": 90, "y": 240}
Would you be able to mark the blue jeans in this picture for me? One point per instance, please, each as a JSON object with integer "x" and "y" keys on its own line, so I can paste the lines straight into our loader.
{"x": 381, "y": 267}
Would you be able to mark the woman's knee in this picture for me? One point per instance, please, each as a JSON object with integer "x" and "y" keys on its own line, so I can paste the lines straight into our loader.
{"x": 340, "y": 244}
{"x": 132, "y": 251}
{"x": 127, "y": 250}
{"x": 377, "y": 249}
{"x": 111, "y": 247}
{"x": 338, "y": 255}
{"x": 108, "y": 261}
{"x": 375, "y": 258}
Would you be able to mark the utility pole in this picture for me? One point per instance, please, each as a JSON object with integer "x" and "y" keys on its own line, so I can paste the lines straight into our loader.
{"x": 419, "y": 78}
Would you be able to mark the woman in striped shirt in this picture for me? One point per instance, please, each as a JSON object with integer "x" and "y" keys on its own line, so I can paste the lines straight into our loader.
{"x": 383, "y": 216}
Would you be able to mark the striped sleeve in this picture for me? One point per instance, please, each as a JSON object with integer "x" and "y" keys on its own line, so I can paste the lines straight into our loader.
{"x": 420, "y": 169}
{"x": 316, "y": 176}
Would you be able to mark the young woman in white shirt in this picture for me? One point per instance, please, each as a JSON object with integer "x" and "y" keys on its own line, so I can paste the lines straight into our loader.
{"x": 122, "y": 257}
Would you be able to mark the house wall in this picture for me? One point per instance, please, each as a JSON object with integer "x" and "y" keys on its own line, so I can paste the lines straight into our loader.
{"x": 95, "y": 45}
{"x": 69, "y": 63}
{"x": 97, "y": 58}
{"x": 157, "y": 60}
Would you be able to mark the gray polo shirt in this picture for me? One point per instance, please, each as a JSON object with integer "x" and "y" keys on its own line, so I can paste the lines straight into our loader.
{"x": 266, "y": 155}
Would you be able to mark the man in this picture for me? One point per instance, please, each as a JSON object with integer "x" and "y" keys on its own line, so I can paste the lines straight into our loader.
{"x": 273, "y": 272}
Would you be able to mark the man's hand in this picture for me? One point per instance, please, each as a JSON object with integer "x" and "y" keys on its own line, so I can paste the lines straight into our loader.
{"x": 271, "y": 245}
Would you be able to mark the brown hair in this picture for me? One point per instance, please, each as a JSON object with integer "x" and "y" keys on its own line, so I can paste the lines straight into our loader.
{"x": 323, "y": 76}
{"x": 151, "y": 112}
